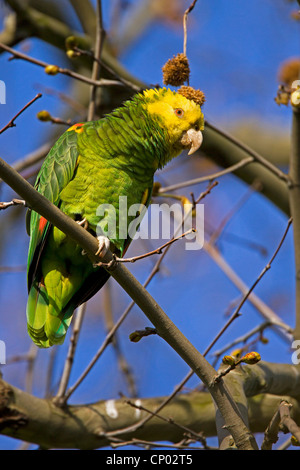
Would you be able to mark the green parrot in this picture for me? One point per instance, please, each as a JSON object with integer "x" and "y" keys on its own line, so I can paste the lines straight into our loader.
{"x": 91, "y": 166}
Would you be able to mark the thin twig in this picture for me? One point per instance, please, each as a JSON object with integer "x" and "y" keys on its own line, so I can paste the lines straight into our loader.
{"x": 148, "y": 444}
{"x": 12, "y": 269}
{"x": 137, "y": 335}
{"x": 55, "y": 120}
{"x": 32, "y": 158}
{"x": 100, "y": 35}
{"x": 12, "y": 121}
{"x": 185, "y": 15}
{"x": 50, "y": 373}
{"x": 271, "y": 433}
{"x": 244, "y": 338}
{"x": 284, "y": 329}
{"x": 13, "y": 202}
{"x": 70, "y": 356}
{"x": 30, "y": 358}
{"x": 63, "y": 71}
{"x": 286, "y": 421}
{"x": 203, "y": 179}
{"x": 126, "y": 82}
{"x": 256, "y": 186}
{"x": 246, "y": 296}
{"x": 257, "y": 157}
{"x": 285, "y": 445}
{"x": 197, "y": 436}
{"x": 124, "y": 367}
{"x": 157, "y": 251}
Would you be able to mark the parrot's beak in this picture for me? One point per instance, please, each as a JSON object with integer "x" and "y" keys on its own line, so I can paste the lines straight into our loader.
{"x": 192, "y": 139}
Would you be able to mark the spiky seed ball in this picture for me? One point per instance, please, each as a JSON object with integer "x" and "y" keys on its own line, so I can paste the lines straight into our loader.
{"x": 191, "y": 94}
{"x": 289, "y": 71}
{"x": 176, "y": 71}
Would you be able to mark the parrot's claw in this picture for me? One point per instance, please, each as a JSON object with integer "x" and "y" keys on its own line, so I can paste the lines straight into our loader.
{"x": 84, "y": 223}
{"x": 103, "y": 246}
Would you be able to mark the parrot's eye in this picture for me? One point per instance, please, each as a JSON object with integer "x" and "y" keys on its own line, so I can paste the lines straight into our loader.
{"x": 179, "y": 112}
{"x": 196, "y": 127}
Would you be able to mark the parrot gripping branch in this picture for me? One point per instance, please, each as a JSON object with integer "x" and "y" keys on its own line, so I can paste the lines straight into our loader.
{"x": 165, "y": 327}
{"x": 157, "y": 251}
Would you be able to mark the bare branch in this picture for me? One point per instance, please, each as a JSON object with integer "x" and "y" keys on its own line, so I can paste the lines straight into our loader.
{"x": 286, "y": 421}
{"x": 294, "y": 198}
{"x": 12, "y": 121}
{"x": 158, "y": 251}
{"x": 257, "y": 157}
{"x": 123, "y": 364}
{"x": 100, "y": 36}
{"x": 13, "y": 202}
{"x": 283, "y": 329}
{"x": 203, "y": 179}
{"x": 271, "y": 433}
{"x": 137, "y": 335}
{"x": 125, "y": 81}
{"x": 187, "y": 11}
{"x": 70, "y": 356}
{"x": 247, "y": 295}
{"x": 187, "y": 431}
{"x": 63, "y": 71}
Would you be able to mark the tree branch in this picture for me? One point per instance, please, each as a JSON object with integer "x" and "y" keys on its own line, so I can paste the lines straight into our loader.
{"x": 11, "y": 123}
{"x": 225, "y": 152}
{"x": 63, "y": 71}
{"x": 294, "y": 198}
{"x": 37, "y": 420}
{"x": 100, "y": 36}
{"x": 257, "y": 157}
{"x": 211, "y": 177}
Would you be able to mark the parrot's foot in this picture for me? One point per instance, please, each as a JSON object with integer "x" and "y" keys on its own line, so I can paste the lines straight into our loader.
{"x": 103, "y": 246}
{"x": 84, "y": 223}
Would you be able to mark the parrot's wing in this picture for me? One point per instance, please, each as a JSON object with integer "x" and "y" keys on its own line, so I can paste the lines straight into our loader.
{"x": 57, "y": 170}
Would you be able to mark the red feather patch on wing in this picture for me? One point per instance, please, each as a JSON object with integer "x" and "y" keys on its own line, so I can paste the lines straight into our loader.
{"x": 42, "y": 224}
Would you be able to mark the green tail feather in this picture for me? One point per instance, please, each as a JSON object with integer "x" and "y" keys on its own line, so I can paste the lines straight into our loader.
{"x": 44, "y": 328}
